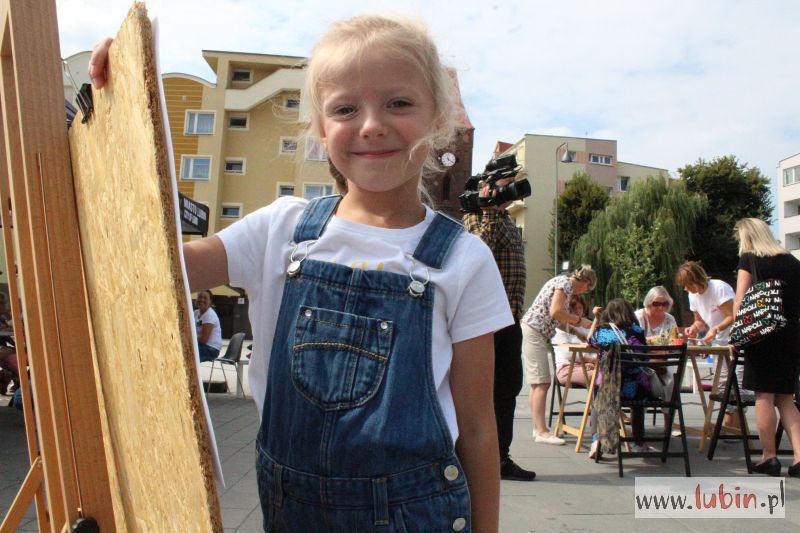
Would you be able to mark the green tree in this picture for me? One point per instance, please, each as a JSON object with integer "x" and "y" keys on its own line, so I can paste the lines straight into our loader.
{"x": 734, "y": 191}
{"x": 640, "y": 238}
{"x": 579, "y": 202}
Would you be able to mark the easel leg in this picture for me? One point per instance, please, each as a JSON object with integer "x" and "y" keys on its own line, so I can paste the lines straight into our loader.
{"x": 29, "y": 488}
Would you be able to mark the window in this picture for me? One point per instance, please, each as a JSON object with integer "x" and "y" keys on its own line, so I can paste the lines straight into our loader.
{"x": 195, "y": 167}
{"x": 199, "y": 123}
{"x": 285, "y": 190}
{"x": 623, "y": 183}
{"x": 241, "y": 75}
{"x": 234, "y": 165}
{"x": 237, "y": 122}
{"x": 291, "y": 103}
{"x": 288, "y": 145}
{"x": 600, "y": 159}
{"x": 791, "y": 175}
{"x": 314, "y": 190}
{"x": 315, "y": 151}
{"x": 231, "y": 210}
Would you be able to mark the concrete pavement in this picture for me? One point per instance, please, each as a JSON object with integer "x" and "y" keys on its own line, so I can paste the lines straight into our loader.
{"x": 571, "y": 492}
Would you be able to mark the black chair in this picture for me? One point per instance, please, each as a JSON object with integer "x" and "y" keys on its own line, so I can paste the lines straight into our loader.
{"x": 233, "y": 354}
{"x": 673, "y": 359}
{"x": 733, "y": 394}
{"x": 556, "y": 389}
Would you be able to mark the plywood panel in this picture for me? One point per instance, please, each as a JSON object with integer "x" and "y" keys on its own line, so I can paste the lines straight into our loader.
{"x": 141, "y": 319}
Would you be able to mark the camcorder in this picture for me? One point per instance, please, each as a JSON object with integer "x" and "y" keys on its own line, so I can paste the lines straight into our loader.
{"x": 496, "y": 169}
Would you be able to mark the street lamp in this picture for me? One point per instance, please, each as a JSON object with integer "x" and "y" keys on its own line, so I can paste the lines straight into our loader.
{"x": 566, "y": 158}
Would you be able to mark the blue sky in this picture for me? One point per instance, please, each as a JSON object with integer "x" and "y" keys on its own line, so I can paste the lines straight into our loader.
{"x": 672, "y": 81}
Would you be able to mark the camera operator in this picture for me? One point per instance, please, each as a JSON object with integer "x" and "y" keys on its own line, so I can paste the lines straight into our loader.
{"x": 496, "y": 228}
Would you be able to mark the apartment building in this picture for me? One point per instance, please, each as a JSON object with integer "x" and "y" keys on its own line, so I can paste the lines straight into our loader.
{"x": 789, "y": 203}
{"x": 548, "y": 162}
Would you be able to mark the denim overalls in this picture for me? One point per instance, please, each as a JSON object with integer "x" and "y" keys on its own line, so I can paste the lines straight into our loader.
{"x": 352, "y": 436}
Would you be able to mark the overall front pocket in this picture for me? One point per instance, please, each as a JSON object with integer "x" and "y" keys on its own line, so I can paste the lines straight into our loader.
{"x": 339, "y": 359}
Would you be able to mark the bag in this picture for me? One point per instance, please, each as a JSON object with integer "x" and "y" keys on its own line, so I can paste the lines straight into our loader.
{"x": 607, "y": 403}
{"x": 761, "y": 313}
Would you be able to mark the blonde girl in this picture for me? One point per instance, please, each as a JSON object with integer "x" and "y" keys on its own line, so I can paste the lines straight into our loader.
{"x": 374, "y": 382}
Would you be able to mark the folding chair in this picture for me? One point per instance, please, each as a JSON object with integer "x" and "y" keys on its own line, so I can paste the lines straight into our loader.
{"x": 233, "y": 354}
{"x": 673, "y": 359}
{"x": 733, "y": 394}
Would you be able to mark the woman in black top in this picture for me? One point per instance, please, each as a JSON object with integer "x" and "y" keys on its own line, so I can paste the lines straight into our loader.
{"x": 771, "y": 367}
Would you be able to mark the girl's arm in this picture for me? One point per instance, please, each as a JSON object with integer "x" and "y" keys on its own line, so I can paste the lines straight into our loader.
{"x": 743, "y": 280}
{"x": 206, "y": 263}
{"x": 472, "y": 382}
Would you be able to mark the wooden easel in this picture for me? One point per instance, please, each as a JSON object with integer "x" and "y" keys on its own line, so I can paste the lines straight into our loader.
{"x": 39, "y": 218}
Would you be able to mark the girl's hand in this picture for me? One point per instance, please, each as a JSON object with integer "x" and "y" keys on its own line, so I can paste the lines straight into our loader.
{"x": 596, "y": 311}
{"x": 98, "y": 63}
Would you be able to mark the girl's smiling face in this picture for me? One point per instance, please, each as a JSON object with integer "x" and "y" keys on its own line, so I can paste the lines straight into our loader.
{"x": 376, "y": 115}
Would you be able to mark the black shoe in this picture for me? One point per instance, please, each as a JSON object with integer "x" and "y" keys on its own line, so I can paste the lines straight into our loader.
{"x": 771, "y": 467}
{"x": 794, "y": 470}
{"x": 512, "y": 471}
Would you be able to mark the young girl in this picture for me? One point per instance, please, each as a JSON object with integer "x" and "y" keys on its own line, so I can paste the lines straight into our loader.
{"x": 618, "y": 324}
{"x": 379, "y": 357}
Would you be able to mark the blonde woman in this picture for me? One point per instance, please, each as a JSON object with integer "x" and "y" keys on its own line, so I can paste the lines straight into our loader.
{"x": 771, "y": 367}
{"x": 539, "y": 324}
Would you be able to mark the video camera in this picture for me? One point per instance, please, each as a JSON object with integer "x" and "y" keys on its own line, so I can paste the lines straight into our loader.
{"x": 496, "y": 169}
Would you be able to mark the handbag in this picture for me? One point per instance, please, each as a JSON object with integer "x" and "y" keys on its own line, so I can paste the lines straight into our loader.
{"x": 761, "y": 312}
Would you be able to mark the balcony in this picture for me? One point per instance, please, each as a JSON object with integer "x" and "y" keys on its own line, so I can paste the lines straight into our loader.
{"x": 281, "y": 80}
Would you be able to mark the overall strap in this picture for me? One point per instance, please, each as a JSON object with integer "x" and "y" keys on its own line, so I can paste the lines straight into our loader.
{"x": 315, "y": 217}
{"x": 437, "y": 241}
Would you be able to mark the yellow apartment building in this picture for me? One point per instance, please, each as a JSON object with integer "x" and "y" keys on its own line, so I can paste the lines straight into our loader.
{"x": 542, "y": 160}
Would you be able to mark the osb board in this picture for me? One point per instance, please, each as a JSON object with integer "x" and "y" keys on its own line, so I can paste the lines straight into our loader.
{"x": 157, "y": 435}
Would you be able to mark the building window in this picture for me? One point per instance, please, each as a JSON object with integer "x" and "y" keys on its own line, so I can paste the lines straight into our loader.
{"x": 623, "y": 183}
{"x": 231, "y": 211}
{"x": 241, "y": 75}
{"x": 315, "y": 190}
{"x": 791, "y": 175}
{"x": 291, "y": 103}
{"x": 199, "y": 123}
{"x": 234, "y": 165}
{"x": 285, "y": 189}
{"x": 238, "y": 122}
{"x": 288, "y": 145}
{"x": 315, "y": 151}
{"x": 600, "y": 159}
{"x": 195, "y": 167}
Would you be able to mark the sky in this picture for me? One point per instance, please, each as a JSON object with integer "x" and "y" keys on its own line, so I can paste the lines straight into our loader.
{"x": 672, "y": 81}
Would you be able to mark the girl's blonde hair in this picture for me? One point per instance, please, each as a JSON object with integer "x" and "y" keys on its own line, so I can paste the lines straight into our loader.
{"x": 346, "y": 42}
{"x": 691, "y": 273}
{"x": 755, "y": 237}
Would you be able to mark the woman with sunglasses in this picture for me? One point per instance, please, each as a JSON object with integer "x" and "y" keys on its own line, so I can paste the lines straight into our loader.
{"x": 654, "y": 317}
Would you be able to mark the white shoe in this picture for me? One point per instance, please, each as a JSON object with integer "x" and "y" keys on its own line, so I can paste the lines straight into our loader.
{"x": 594, "y": 450}
{"x": 548, "y": 438}
{"x": 676, "y": 433}
{"x": 643, "y": 448}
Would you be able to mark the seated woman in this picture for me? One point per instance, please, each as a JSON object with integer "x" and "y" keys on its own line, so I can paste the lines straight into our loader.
{"x": 654, "y": 317}
{"x": 618, "y": 324}
{"x": 209, "y": 331}
{"x": 569, "y": 334}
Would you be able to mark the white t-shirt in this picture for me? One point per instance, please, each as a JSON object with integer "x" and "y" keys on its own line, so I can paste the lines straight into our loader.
{"x": 560, "y": 341}
{"x": 209, "y": 317}
{"x": 707, "y": 306}
{"x": 470, "y": 299}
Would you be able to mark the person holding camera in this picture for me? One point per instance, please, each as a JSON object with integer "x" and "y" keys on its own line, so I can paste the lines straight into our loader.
{"x": 495, "y": 227}
{"x": 539, "y": 324}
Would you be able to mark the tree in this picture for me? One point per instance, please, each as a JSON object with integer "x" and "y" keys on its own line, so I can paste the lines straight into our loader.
{"x": 579, "y": 202}
{"x": 640, "y": 238}
{"x": 734, "y": 191}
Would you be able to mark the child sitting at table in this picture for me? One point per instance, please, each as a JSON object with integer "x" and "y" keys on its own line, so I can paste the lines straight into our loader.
{"x": 569, "y": 334}
{"x": 618, "y": 325}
